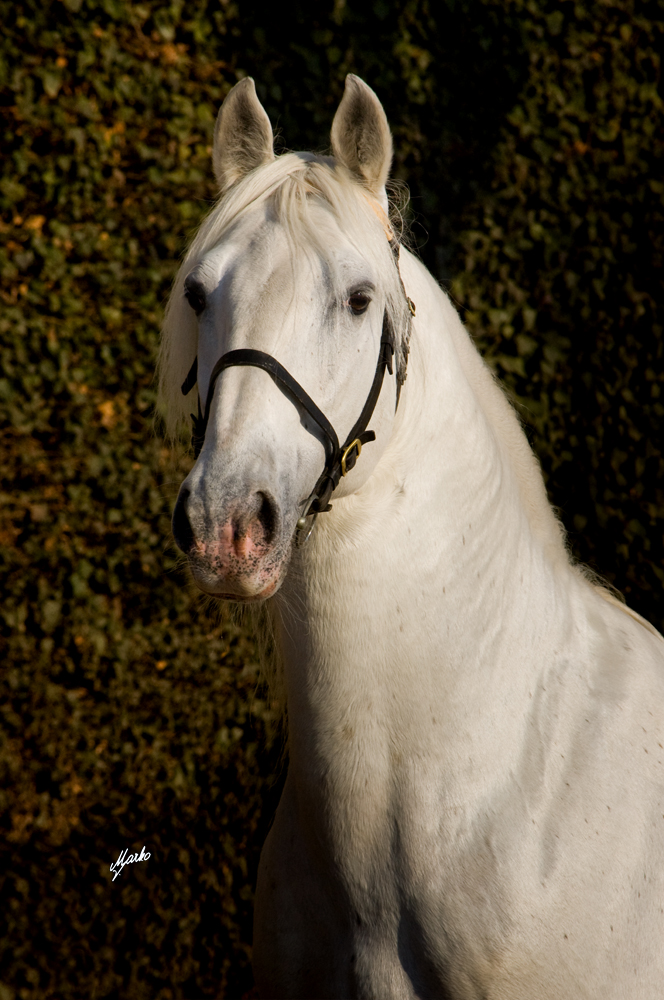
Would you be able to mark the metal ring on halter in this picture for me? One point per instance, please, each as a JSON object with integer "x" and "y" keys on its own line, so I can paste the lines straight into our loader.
{"x": 302, "y": 531}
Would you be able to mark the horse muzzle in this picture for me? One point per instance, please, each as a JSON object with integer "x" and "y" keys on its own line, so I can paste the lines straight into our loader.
{"x": 237, "y": 553}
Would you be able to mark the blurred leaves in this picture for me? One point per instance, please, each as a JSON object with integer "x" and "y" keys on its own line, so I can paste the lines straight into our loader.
{"x": 128, "y": 713}
{"x": 531, "y": 136}
{"x": 561, "y": 277}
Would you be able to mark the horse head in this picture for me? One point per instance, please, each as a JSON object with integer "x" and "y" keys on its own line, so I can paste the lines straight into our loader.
{"x": 287, "y": 300}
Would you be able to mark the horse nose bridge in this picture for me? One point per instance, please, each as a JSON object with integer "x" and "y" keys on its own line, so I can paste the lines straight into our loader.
{"x": 246, "y": 396}
{"x": 251, "y": 411}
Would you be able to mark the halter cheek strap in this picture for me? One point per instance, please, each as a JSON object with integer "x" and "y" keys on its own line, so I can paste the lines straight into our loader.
{"x": 339, "y": 459}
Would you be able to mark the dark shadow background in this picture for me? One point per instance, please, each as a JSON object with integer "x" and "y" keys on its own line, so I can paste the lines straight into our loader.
{"x": 531, "y": 137}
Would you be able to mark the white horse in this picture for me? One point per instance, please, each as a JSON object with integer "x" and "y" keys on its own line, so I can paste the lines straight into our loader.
{"x": 474, "y": 804}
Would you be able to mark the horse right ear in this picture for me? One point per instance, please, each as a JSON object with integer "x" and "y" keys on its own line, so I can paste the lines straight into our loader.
{"x": 242, "y": 136}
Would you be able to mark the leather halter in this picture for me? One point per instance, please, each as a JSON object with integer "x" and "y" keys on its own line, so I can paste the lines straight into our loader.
{"x": 339, "y": 459}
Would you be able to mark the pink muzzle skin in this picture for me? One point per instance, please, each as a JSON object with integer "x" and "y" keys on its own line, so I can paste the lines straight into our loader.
{"x": 239, "y": 563}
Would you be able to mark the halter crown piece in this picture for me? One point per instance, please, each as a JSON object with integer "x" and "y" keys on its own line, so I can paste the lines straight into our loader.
{"x": 339, "y": 459}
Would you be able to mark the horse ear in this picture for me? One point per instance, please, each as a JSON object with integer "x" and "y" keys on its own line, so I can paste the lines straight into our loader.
{"x": 242, "y": 136}
{"x": 361, "y": 138}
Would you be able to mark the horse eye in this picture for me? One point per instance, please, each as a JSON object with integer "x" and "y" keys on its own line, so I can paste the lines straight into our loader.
{"x": 359, "y": 302}
{"x": 196, "y": 299}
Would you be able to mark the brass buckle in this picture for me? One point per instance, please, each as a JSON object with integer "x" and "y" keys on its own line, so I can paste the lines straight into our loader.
{"x": 356, "y": 443}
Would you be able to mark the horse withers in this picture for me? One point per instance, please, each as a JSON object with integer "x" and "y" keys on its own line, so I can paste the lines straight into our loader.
{"x": 474, "y": 805}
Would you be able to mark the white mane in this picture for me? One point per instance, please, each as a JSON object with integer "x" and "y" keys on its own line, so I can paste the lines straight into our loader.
{"x": 287, "y": 184}
{"x": 544, "y": 523}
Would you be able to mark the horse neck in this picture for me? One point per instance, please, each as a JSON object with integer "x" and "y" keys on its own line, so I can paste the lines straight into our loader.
{"x": 434, "y": 585}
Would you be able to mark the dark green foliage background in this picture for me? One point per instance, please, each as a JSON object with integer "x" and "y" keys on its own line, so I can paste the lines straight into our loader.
{"x": 531, "y": 136}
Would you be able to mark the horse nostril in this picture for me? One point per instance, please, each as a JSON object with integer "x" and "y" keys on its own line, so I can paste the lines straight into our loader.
{"x": 182, "y": 532}
{"x": 267, "y": 515}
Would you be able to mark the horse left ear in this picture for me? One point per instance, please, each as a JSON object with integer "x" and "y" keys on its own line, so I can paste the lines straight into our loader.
{"x": 242, "y": 136}
{"x": 361, "y": 138}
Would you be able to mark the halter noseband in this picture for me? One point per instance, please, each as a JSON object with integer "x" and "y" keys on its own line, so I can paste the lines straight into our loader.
{"x": 339, "y": 459}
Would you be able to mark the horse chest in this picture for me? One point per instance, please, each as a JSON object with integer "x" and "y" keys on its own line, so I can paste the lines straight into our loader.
{"x": 399, "y": 893}
{"x": 372, "y": 913}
